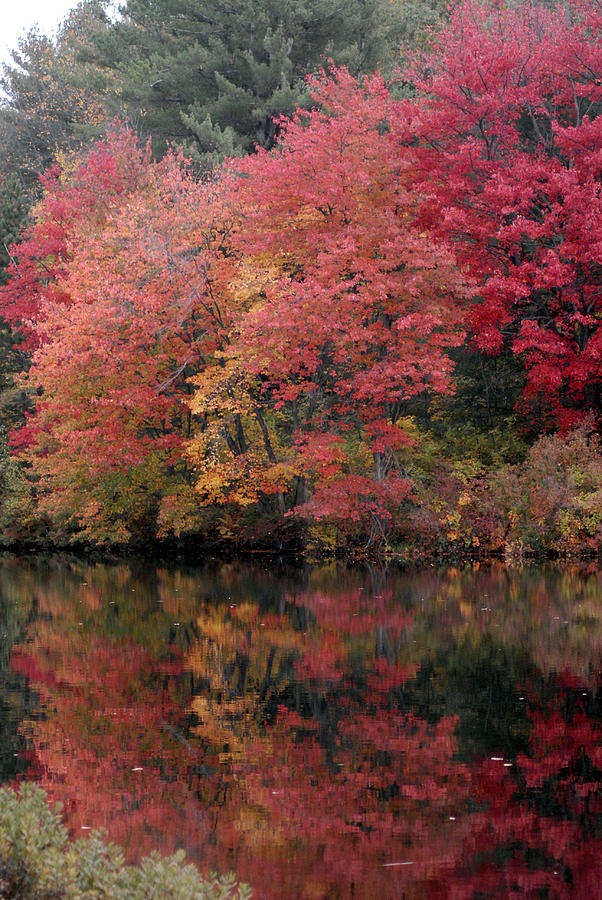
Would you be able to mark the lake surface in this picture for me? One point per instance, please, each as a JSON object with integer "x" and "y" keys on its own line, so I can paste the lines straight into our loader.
{"x": 323, "y": 732}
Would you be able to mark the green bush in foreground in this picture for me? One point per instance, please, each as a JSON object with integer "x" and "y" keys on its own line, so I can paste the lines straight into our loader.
{"x": 38, "y": 862}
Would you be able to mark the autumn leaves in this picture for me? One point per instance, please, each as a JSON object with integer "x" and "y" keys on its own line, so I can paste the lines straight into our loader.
{"x": 254, "y": 343}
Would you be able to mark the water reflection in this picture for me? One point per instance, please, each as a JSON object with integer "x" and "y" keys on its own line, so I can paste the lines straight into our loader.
{"x": 325, "y": 733}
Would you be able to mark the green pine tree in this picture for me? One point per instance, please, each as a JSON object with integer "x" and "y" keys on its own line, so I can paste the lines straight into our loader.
{"x": 13, "y": 216}
{"x": 215, "y": 75}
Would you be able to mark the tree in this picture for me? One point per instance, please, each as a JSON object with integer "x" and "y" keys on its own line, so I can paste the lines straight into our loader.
{"x": 13, "y": 217}
{"x": 113, "y": 284}
{"x": 509, "y": 138}
{"x": 351, "y": 312}
{"x": 217, "y": 77}
{"x": 55, "y": 97}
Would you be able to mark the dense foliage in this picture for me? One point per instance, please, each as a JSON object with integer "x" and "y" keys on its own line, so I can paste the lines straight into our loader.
{"x": 213, "y": 77}
{"x": 511, "y": 144}
{"x": 377, "y": 329}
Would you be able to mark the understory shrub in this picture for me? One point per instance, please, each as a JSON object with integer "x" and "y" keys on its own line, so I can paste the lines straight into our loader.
{"x": 553, "y": 500}
{"x": 550, "y": 502}
{"x": 39, "y": 862}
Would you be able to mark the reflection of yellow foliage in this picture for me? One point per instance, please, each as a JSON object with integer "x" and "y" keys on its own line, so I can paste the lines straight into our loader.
{"x": 227, "y": 725}
{"x": 237, "y": 650}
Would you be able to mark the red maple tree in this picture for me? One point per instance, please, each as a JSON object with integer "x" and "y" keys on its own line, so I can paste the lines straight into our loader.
{"x": 510, "y": 142}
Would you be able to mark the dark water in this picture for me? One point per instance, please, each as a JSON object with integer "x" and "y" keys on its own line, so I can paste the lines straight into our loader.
{"x": 325, "y": 733}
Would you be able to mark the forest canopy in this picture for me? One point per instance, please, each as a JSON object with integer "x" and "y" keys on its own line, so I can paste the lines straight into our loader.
{"x": 305, "y": 275}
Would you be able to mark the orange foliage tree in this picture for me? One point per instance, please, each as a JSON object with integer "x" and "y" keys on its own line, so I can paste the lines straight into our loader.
{"x": 352, "y": 310}
{"x": 114, "y": 287}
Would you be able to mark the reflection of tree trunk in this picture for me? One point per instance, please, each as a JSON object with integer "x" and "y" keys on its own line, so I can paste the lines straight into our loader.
{"x": 170, "y": 729}
{"x": 242, "y": 663}
{"x": 378, "y": 578}
{"x": 382, "y": 643}
{"x": 268, "y": 674}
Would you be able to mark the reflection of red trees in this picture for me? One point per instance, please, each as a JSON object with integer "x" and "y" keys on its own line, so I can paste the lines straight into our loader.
{"x": 538, "y": 834}
{"x": 350, "y": 622}
{"x": 307, "y": 770}
{"x": 377, "y": 812}
{"x": 386, "y": 809}
{"x": 107, "y": 747}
